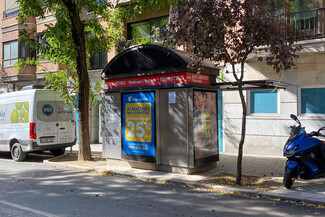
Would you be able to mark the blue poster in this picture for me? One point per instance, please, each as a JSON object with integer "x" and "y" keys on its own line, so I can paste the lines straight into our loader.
{"x": 138, "y": 124}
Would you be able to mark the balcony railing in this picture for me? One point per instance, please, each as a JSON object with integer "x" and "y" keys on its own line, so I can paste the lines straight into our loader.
{"x": 159, "y": 40}
{"x": 309, "y": 24}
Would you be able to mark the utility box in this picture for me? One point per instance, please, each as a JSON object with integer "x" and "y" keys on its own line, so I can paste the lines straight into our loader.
{"x": 157, "y": 113}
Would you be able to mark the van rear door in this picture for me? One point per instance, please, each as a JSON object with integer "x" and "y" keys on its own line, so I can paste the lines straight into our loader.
{"x": 66, "y": 124}
{"x": 47, "y": 118}
{"x": 55, "y": 123}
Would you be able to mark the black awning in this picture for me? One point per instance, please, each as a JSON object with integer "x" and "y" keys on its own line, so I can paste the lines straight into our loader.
{"x": 251, "y": 85}
{"x": 141, "y": 60}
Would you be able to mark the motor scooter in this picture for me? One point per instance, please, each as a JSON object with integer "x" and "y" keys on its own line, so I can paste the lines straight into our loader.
{"x": 305, "y": 153}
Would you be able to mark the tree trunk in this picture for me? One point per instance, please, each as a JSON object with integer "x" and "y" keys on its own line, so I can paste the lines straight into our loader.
{"x": 243, "y": 132}
{"x": 243, "y": 123}
{"x": 79, "y": 40}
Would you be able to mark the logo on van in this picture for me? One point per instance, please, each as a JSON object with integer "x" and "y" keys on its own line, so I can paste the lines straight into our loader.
{"x": 47, "y": 109}
{"x": 2, "y": 114}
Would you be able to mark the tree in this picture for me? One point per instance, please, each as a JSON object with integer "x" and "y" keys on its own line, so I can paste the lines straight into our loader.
{"x": 81, "y": 28}
{"x": 227, "y": 32}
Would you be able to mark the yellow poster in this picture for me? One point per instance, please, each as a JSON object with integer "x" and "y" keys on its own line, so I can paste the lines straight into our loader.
{"x": 138, "y": 122}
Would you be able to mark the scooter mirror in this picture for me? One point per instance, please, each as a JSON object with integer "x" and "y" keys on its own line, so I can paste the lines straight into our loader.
{"x": 321, "y": 129}
{"x": 294, "y": 117}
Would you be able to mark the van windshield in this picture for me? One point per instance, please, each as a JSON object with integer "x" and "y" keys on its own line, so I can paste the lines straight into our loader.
{"x": 54, "y": 111}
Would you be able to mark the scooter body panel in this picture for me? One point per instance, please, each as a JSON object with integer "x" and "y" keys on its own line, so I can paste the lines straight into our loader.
{"x": 313, "y": 168}
{"x": 291, "y": 164}
{"x": 295, "y": 142}
{"x": 307, "y": 143}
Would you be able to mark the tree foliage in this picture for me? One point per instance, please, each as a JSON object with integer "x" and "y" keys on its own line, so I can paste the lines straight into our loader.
{"x": 137, "y": 8}
{"x": 103, "y": 27}
{"x": 81, "y": 28}
{"x": 227, "y": 32}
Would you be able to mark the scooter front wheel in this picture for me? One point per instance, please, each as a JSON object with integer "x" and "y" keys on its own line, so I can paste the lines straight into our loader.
{"x": 289, "y": 177}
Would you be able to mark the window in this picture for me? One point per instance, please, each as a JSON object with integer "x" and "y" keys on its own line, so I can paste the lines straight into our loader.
{"x": 312, "y": 100}
{"x": 279, "y": 5}
{"x": 301, "y": 5}
{"x": 98, "y": 60}
{"x": 54, "y": 111}
{"x": 43, "y": 43}
{"x": 12, "y": 50}
{"x": 11, "y": 8}
{"x": 264, "y": 101}
{"x": 148, "y": 31}
{"x": 290, "y": 6}
{"x": 10, "y": 53}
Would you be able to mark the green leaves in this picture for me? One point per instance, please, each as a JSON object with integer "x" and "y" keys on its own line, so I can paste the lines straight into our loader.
{"x": 61, "y": 83}
{"x": 22, "y": 63}
{"x": 102, "y": 28}
{"x": 138, "y": 8}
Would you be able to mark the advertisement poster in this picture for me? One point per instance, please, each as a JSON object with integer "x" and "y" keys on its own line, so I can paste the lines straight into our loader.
{"x": 138, "y": 124}
{"x": 205, "y": 124}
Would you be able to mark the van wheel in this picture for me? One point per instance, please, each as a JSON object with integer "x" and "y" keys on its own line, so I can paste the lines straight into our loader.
{"x": 57, "y": 152}
{"x": 17, "y": 153}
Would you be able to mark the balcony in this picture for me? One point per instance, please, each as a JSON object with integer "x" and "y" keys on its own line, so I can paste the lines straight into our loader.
{"x": 306, "y": 25}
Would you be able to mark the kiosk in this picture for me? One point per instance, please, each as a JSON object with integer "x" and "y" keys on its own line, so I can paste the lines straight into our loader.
{"x": 157, "y": 113}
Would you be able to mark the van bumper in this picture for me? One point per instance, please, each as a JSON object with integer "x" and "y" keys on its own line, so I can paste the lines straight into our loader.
{"x": 33, "y": 146}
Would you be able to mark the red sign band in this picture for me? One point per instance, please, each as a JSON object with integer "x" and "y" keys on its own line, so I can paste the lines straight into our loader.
{"x": 153, "y": 80}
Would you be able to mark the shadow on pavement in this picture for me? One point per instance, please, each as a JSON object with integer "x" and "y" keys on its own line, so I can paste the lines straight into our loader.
{"x": 31, "y": 157}
{"x": 70, "y": 193}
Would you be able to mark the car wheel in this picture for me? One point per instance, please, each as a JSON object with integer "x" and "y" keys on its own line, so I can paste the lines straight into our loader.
{"x": 17, "y": 153}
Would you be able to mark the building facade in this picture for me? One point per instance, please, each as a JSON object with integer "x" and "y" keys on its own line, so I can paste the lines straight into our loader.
{"x": 301, "y": 92}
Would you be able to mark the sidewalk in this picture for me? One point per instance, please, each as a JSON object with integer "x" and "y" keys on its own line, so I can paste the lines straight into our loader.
{"x": 311, "y": 191}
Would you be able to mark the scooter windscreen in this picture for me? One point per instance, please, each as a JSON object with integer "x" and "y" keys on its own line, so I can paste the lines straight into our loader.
{"x": 294, "y": 134}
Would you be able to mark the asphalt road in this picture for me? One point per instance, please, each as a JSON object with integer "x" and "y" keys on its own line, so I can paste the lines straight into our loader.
{"x": 30, "y": 189}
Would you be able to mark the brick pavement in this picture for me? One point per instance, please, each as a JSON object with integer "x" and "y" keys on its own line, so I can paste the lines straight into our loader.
{"x": 262, "y": 166}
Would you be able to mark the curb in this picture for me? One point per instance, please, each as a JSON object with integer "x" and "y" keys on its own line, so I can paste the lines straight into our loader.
{"x": 199, "y": 186}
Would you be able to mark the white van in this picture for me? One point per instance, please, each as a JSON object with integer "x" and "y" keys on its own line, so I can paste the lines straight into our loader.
{"x": 35, "y": 120}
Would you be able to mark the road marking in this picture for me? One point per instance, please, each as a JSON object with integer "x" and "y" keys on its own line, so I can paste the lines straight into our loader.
{"x": 27, "y": 209}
